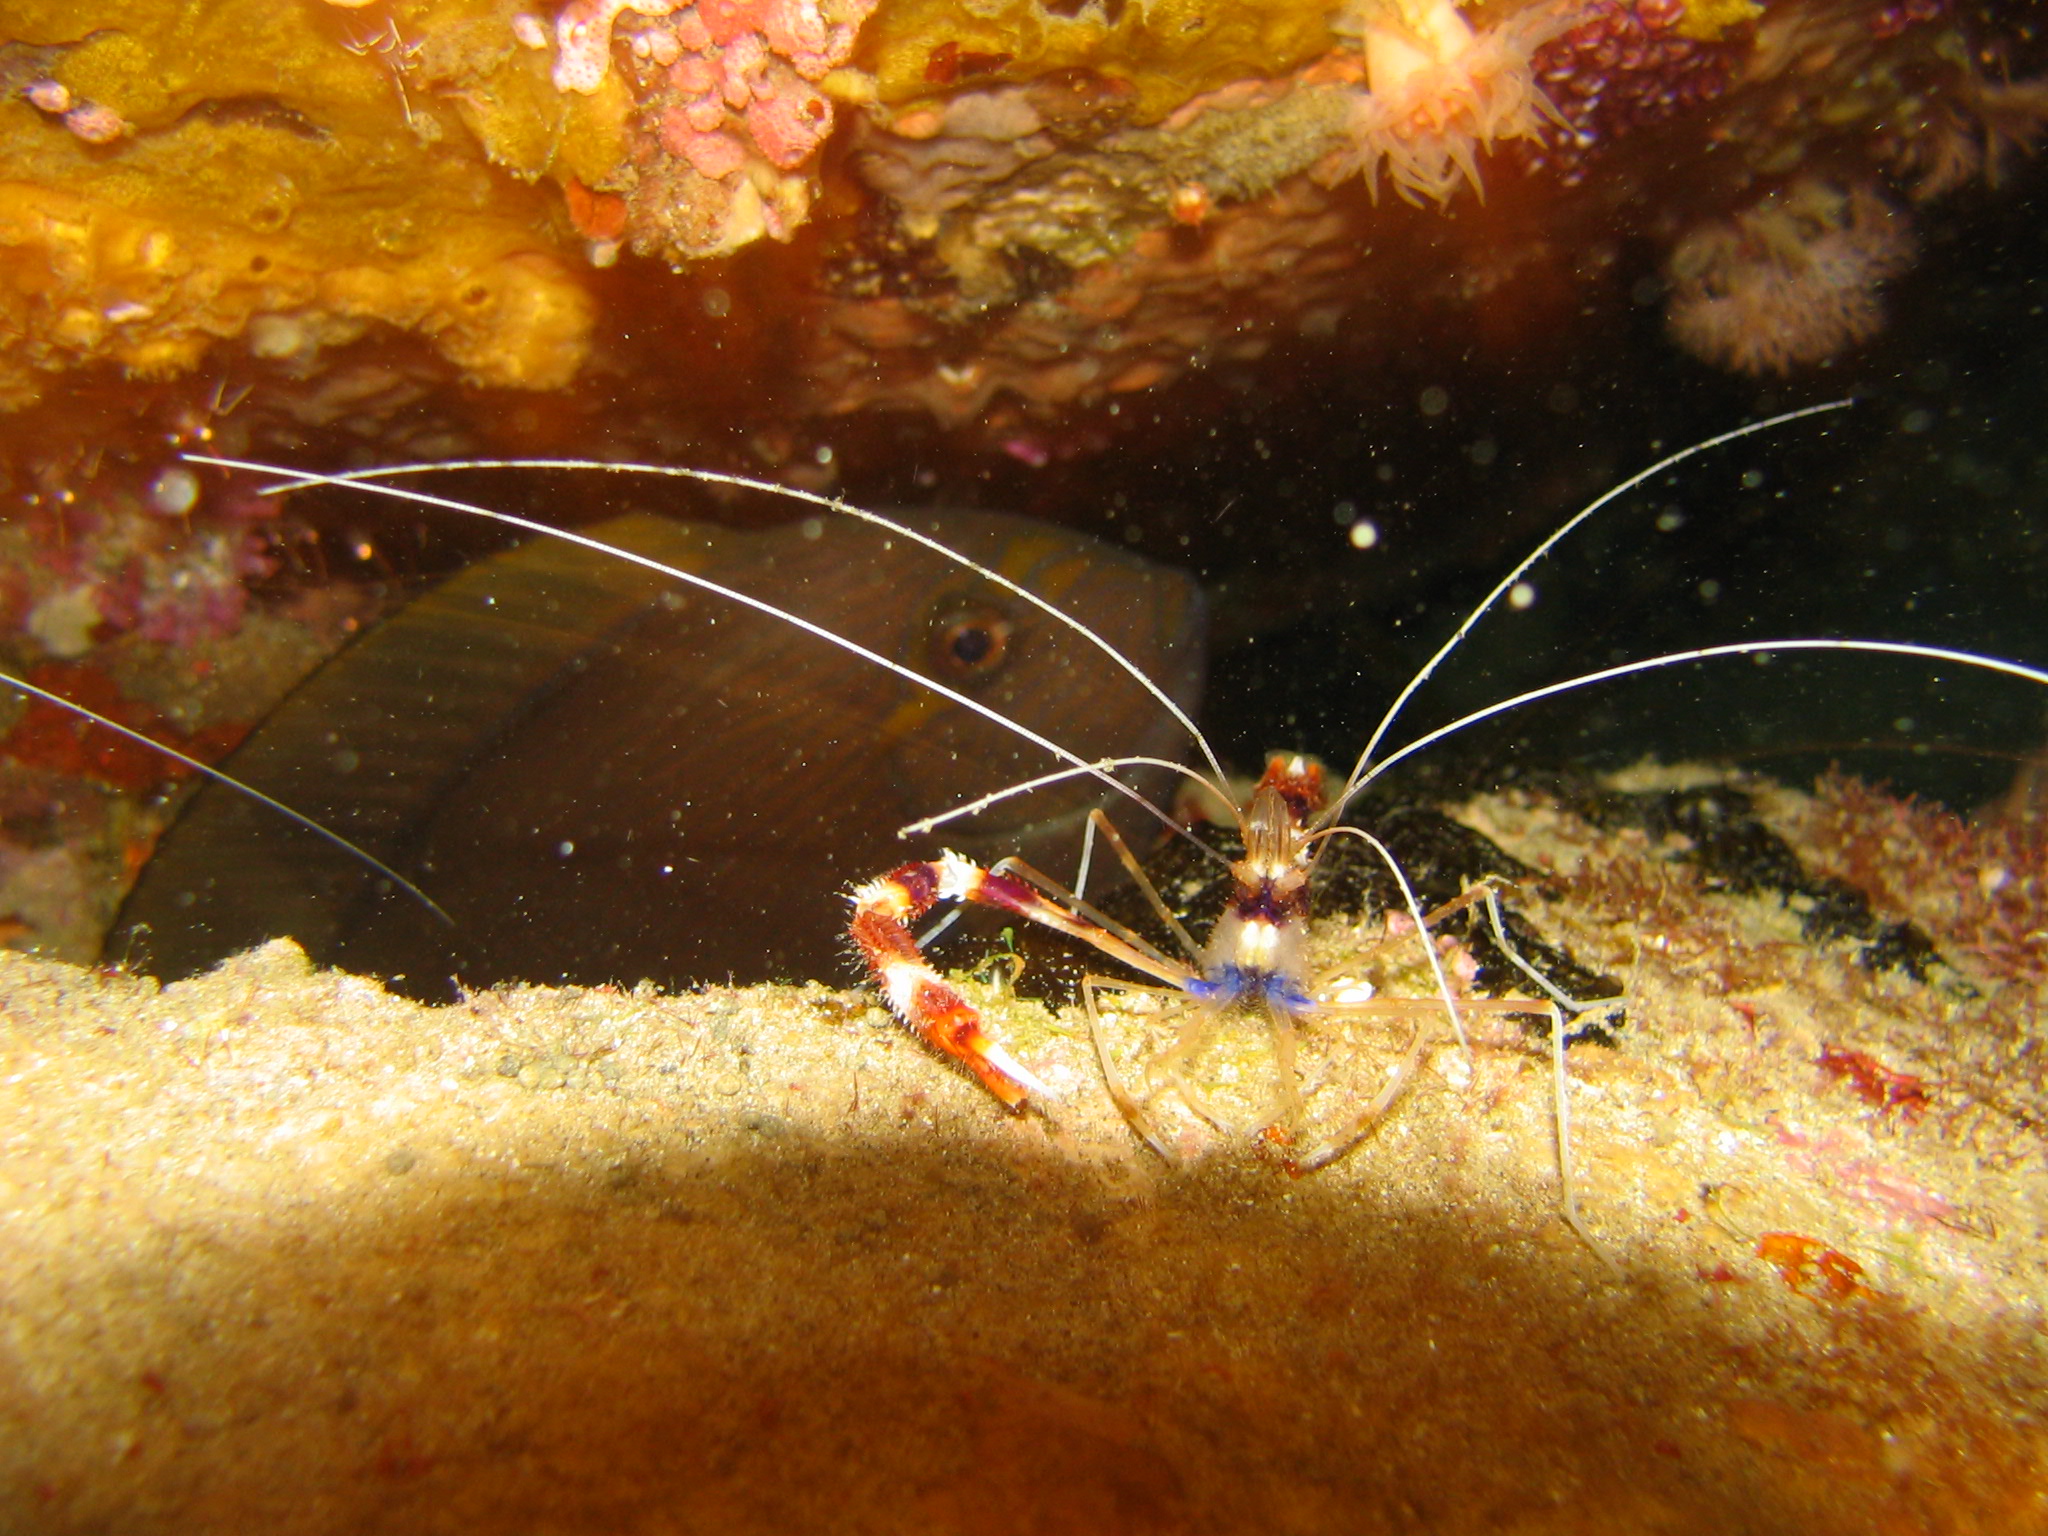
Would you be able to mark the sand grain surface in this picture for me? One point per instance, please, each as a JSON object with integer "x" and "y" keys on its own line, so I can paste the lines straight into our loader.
{"x": 282, "y": 1252}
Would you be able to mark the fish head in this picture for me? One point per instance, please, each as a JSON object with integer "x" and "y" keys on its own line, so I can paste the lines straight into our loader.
{"x": 1035, "y": 673}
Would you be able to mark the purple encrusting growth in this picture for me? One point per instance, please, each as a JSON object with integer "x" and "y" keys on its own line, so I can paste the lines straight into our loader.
{"x": 1627, "y": 66}
{"x": 147, "y": 550}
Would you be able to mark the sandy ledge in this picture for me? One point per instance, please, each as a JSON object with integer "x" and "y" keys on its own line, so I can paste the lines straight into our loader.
{"x": 282, "y": 1252}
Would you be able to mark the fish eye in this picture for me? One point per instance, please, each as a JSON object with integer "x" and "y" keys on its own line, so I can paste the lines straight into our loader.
{"x": 971, "y": 644}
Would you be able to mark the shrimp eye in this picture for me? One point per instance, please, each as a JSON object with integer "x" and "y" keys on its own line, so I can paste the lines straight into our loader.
{"x": 971, "y": 644}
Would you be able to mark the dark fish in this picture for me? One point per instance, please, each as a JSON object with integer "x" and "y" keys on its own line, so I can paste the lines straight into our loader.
{"x": 604, "y": 776}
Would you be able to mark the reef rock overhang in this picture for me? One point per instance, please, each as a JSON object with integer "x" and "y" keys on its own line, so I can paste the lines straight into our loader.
{"x": 983, "y": 213}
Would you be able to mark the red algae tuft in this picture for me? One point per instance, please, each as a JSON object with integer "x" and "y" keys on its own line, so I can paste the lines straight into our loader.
{"x": 1811, "y": 1267}
{"x": 1979, "y": 886}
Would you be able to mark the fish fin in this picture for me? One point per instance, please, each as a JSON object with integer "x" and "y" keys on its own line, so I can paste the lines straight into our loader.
{"x": 371, "y": 741}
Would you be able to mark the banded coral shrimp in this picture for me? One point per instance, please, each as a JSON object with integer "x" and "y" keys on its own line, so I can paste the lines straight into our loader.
{"x": 1293, "y": 839}
{"x": 1254, "y": 955}
{"x": 1201, "y": 1353}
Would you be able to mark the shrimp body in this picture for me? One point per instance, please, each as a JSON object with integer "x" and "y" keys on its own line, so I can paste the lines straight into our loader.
{"x": 1257, "y": 951}
{"x": 1255, "y": 961}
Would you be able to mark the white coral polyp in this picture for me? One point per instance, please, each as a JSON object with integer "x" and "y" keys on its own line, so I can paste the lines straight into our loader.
{"x": 1791, "y": 282}
{"x": 1439, "y": 94}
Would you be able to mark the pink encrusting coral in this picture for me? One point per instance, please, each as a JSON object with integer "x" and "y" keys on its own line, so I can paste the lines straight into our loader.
{"x": 583, "y": 39}
{"x": 1789, "y": 282}
{"x": 728, "y": 101}
{"x": 744, "y": 67}
{"x": 1440, "y": 94}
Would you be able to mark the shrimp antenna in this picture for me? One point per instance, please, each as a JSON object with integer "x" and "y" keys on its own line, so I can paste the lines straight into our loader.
{"x": 1681, "y": 658}
{"x": 228, "y": 780}
{"x": 996, "y": 797}
{"x": 301, "y": 480}
{"x": 1362, "y": 772}
{"x": 371, "y": 477}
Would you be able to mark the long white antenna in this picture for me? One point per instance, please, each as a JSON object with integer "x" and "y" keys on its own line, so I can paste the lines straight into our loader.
{"x": 1359, "y": 772}
{"x": 231, "y": 782}
{"x": 995, "y": 797}
{"x": 369, "y": 477}
{"x": 301, "y": 479}
{"x": 1706, "y": 653}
